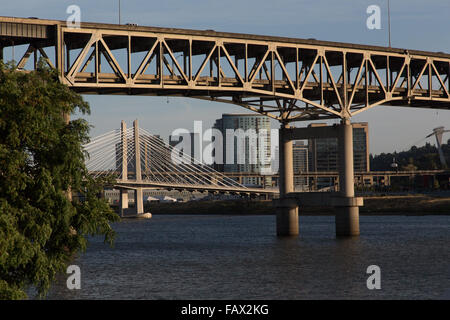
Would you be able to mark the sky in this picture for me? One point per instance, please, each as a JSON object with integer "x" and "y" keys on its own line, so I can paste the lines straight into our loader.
{"x": 415, "y": 24}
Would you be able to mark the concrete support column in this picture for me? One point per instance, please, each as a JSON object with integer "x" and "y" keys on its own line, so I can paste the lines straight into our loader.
{"x": 139, "y": 201}
{"x": 123, "y": 202}
{"x": 287, "y": 209}
{"x": 347, "y": 217}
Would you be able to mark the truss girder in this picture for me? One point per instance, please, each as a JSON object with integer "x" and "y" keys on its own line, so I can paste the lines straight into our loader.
{"x": 283, "y": 80}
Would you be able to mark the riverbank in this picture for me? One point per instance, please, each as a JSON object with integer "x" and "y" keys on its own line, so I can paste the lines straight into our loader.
{"x": 413, "y": 204}
{"x": 373, "y": 205}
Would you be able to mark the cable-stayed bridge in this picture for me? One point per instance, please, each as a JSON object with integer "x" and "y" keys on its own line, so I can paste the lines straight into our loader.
{"x": 138, "y": 160}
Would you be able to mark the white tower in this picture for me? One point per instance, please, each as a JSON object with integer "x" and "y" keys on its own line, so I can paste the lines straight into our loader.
{"x": 438, "y": 132}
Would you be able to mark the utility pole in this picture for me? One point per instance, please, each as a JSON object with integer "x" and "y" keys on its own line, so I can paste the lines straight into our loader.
{"x": 389, "y": 22}
{"x": 119, "y": 12}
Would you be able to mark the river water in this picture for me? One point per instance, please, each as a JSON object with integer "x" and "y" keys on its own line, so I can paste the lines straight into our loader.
{"x": 239, "y": 257}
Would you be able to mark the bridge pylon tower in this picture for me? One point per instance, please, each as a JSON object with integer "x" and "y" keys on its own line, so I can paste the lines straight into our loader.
{"x": 123, "y": 201}
{"x": 138, "y": 192}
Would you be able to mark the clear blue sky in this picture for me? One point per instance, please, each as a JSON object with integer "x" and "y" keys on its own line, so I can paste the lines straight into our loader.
{"x": 416, "y": 24}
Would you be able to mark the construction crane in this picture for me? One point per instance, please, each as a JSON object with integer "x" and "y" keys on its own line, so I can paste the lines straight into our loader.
{"x": 438, "y": 132}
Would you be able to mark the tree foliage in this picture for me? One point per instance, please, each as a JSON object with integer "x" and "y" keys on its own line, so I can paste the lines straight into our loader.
{"x": 422, "y": 158}
{"x": 41, "y": 158}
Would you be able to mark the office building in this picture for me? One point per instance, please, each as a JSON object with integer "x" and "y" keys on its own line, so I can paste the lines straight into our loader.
{"x": 246, "y": 145}
{"x": 300, "y": 163}
{"x": 323, "y": 153}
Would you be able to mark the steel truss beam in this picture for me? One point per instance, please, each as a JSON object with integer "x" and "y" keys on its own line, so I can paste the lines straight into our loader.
{"x": 286, "y": 79}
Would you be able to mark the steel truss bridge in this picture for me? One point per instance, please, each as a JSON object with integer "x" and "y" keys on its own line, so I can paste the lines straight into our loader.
{"x": 284, "y": 78}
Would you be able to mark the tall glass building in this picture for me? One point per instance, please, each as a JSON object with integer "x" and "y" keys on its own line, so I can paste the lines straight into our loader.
{"x": 246, "y": 144}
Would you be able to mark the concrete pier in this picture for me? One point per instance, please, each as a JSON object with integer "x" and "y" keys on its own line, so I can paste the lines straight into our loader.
{"x": 123, "y": 202}
{"x": 286, "y": 209}
{"x": 345, "y": 202}
{"x": 347, "y": 216}
{"x": 139, "y": 201}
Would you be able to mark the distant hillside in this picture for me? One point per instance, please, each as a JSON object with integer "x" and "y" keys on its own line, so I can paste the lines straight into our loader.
{"x": 422, "y": 158}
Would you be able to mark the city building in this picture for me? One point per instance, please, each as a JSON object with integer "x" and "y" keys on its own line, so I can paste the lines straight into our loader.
{"x": 323, "y": 153}
{"x": 246, "y": 145}
{"x": 300, "y": 163}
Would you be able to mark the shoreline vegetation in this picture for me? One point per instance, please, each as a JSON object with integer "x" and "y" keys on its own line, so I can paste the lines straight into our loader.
{"x": 413, "y": 205}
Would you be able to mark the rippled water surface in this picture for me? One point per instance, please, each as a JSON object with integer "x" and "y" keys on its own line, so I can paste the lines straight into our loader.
{"x": 239, "y": 257}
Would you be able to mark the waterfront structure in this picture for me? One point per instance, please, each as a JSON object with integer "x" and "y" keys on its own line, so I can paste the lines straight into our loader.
{"x": 113, "y": 195}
